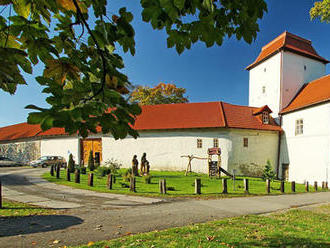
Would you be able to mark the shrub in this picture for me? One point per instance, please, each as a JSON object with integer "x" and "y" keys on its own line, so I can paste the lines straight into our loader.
{"x": 71, "y": 164}
{"x": 170, "y": 188}
{"x": 127, "y": 175}
{"x": 251, "y": 170}
{"x": 147, "y": 179}
{"x": 268, "y": 172}
{"x": 91, "y": 165}
{"x": 113, "y": 165}
{"x": 83, "y": 170}
{"x": 102, "y": 171}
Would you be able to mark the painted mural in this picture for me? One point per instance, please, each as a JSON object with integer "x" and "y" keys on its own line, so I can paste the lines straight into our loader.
{"x": 21, "y": 151}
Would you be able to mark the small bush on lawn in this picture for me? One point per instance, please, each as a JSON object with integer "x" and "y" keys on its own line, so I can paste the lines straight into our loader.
{"x": 147, "y": 179}
{"x": 127, "y": 175}
{"x": 83, "y": 170}
{"x": 71, "y": 164}
{"x": 91, "y": 165}
{"x": 268, "y": 172}
{"x": 102, "y": 171}
{"x": 113, "y": 165}
{"x": 170, "y": 188}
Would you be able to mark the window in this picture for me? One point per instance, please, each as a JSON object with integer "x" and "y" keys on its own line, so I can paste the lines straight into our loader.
{"x": 265, "y": 117}
{"x": 245, "y": 142}
{"x": 265, "y": 69}
{"x": 199, "y": 143}
{"x": 215, "y": 142}
{"x": 263, "y": 89}
{"x": 305, "y": 67}
{"x": 299, "y": 126}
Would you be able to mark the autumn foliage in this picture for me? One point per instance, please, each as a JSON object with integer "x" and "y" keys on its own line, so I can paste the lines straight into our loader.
{"x": 161, "y": 94}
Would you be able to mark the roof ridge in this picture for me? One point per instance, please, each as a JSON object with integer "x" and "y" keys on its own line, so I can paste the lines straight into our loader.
{"x": 223, "y": 113}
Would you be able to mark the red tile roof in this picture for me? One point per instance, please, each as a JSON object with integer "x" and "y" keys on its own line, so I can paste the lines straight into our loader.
{"x": 262, "y": 109}
{"x": 315, "y": 92}
{"x": 289, "y": 42}
{"x": 168, "y": 116}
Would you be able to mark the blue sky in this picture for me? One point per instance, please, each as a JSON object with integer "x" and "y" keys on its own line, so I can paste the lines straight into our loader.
{"x": 208, "y": 74}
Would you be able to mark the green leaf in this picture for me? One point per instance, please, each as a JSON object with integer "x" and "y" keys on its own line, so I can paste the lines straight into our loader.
{"x": 179, "y": 4}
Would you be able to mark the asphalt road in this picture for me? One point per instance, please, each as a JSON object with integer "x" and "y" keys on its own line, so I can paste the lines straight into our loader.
{"x": 90, "y": 216}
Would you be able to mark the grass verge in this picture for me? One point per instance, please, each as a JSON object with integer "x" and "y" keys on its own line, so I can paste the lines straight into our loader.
{"x": 17, "y": 209}
{"x": 178, "y": 185}
{"x": 293, "y": 228}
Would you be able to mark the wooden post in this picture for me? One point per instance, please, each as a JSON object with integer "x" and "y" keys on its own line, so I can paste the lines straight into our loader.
{"x": 162, "y": 186}
{"x": 282, "y": 186}
{"x": 0, "y": 194}
{"x": 77, "y": 176}
{"x": 197, "y": 186}
{"x": 293, "y": 186}
{"x": 326, "y": 185}
{"x": 114, "y": 179}
{"x": 246, "y": 185}
{"x": 307, "y": 186}
{"x": 68, "y": 176}
{"x": 58, "y": 171}
{"x": 90, "y": 179}
{"x": 267, "y": 186}
{"x": 109, "y": 181}
{"x": 52, "y": 170}
{"x": 323, "y": 185}
{"x": 224, "y": 186}
{"x": 132, "y": 184}
{"x": 315, "y": 186}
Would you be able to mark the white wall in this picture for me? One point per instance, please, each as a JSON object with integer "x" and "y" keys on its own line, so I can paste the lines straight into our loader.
{"x": 262, "y": 146}
{"x": 164, "y": 148}
{"x": 307, "y": 154}
{"x": 61, "y": 146}
{"x": 295, "y": 76}
{"x": 270, "y": 79}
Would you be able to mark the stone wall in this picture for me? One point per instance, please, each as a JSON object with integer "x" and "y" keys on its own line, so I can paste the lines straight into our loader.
{"x": 21, "y": 151}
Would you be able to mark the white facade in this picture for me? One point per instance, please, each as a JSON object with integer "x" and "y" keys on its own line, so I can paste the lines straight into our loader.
{"x": 165, "y": 148}
{"x": 275, "y": 81}
{"x": 308, "y": 154}
{"x": 61, "y": 146}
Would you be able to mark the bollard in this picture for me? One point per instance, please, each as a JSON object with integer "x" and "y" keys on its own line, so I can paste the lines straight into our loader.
{"x": 267, "y": 186}
{"x": 323, "y": 185}
{"x": 224, "y": 186}
{"x": 307, "y": 186}
{"x": 109, "y": 181}
{"x": 162, "y": 186}
{"x": 293, "y": 186}
{"x": 58, "y": 171}
{"x": 52, "y": 170}
{"x": 282, "y": 188}
{"x": 0, "y": 194}
{"x": 77, "y": 176}
{"x": 90, "y": 179}
{"x": 197, "y": 186}
{"x": 326, "y": 185}
{"x": 315, "y": 186}
{"x": 132, "y": 184}
{"x": 246, "y": 185}
{"x": 68, "y": 176}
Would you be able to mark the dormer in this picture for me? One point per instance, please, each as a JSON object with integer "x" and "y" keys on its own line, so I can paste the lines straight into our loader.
{"x": 263, "y": 114}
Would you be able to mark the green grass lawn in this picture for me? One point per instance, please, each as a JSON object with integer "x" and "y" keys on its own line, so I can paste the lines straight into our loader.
{"x": 183, "y": 186}
{"x": 294, "y": 228}
{"x": 17, "y": 209}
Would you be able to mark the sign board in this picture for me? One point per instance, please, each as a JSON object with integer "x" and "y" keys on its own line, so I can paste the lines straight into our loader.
{"x": 214, "y": 151}
{"x": 213, "y": 168}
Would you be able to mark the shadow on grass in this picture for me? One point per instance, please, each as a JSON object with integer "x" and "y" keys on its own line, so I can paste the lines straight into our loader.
{"x": 282, "y": 241}
{"x": 12, "y": 226}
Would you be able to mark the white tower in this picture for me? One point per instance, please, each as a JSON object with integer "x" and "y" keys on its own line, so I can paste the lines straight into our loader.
{"x": 283, "y": 66}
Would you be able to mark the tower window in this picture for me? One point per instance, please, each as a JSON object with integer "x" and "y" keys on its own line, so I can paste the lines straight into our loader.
{"x": 263, "y": 89}
{"x": 305, "y": 67}
{"x": 245, "y": 142}
{"x": 215, "y": 142}
{"x": 299, "y": 126}
{"x": 265, "y": 117}
{"x": 199, "y": 143}
{"x": 265, "y": 69}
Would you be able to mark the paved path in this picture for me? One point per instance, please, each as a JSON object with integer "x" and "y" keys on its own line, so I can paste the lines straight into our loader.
{"x": 99, "y": 220}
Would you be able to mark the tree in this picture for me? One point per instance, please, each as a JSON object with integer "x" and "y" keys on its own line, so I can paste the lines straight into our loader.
{"x": 91, "y": 165}
{"x": 71, "y": 164}
{"x": 268, "y": 172}
{"x": 160, "y": 94}
{"x": 321, "y": 10}
{"x": 82, "y": 71}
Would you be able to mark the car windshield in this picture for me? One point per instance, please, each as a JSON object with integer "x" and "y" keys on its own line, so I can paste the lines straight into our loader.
{"x": 44, "y": 158}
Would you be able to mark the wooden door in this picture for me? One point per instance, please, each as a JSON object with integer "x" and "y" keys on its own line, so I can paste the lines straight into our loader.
{"x": 88, "y": 145}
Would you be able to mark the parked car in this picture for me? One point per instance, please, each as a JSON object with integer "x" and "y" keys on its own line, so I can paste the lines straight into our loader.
{"x": 45, "y": 161}
{"x": 7, "y": 162}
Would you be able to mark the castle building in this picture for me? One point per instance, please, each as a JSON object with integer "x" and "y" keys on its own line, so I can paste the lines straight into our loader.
{"x": 286, "y": 123}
